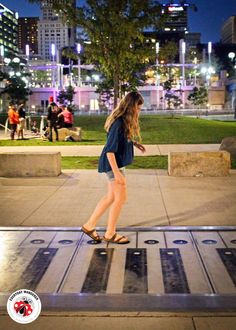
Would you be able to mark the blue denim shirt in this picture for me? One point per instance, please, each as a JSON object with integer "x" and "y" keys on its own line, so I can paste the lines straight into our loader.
{"x": 119, "y": 145}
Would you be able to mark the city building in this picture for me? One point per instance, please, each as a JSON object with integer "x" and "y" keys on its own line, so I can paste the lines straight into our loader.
{"x": 8, "y": 29}
{"x": 28, "y": 34}
{"x": 53, "y": 31}
{"x": 176, "y": 17}
{"x": 228, "y": 31}
{"x": 193, "y": 39}
{"x": 175, "y": 27}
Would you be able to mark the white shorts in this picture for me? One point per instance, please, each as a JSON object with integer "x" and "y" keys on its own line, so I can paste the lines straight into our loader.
{"x": 111, "y": 176}
{"x": 21, "y": 124}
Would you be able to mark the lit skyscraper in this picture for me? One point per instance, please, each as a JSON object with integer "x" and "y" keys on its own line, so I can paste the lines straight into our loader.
{"x": 8, "y": 29}
{"x": 52, "y": 31}
{"x": 28, "y": 34}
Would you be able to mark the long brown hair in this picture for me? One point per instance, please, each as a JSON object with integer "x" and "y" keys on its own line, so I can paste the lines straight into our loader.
{"x": 127, "y": 110}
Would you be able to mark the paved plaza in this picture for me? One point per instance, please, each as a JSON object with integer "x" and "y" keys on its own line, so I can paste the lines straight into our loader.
{"x": 43, "y": 216}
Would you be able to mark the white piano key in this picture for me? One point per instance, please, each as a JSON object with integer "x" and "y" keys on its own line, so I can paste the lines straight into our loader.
{"x": 154, "y": 270}
{"x": 215, "y": 268}
{"x": 196, "y": 277}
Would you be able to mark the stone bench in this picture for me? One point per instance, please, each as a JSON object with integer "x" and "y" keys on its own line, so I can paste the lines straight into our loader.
{"x": 199, "y": 163}
{"x": 75, "y": 132}
{"x": 30, "y": 164}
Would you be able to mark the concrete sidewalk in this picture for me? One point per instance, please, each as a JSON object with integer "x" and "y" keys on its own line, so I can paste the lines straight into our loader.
{"x": 95, "y": 150}
{"x": 154, "y": 199}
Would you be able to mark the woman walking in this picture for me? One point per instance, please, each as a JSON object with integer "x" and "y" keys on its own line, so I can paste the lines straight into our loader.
{"x": 122, "y": 127}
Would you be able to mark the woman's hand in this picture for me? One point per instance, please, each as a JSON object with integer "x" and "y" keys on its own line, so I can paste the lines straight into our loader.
{"x": 139, "y": 146}
{"x": 119, "y": 178}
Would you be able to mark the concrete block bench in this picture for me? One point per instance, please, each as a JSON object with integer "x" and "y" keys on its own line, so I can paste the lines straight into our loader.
{"x": 199, "y": 163}
{"x": 30, "y": 164}
{"x": 75, "y": 132}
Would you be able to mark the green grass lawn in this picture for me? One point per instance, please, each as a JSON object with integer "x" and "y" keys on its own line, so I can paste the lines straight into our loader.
{"x": 160, "y": 162}
{"x": 144, "y": 162}
{"x": 154, "y": 129}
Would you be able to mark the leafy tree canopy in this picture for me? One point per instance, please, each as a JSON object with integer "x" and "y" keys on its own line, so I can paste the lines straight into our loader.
{"x": 15, "y": 80}
{"x": 198, "y": 96}
{"x": 114, "y": 30}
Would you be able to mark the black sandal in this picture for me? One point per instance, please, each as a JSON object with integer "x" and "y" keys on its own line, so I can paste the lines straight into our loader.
{"x": 116, "y": 241}
{"x": 90, "y": 234}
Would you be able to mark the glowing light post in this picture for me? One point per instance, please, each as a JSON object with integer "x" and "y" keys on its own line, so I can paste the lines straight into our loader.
{"x": 53, "y": 53}
{"x": 79, "y": 73}
{"x": 58, "y": 70}
{"x": 183, "y": 51}
{"x": 195, "y": 71}
{"x": 210, "y": 69}
{"x": 2, "y": 64}
{"x": 209, "y": 52}
{"x": 2, "y": 54}
{"x": 27, "y": 53}
{"x": 157, "y": 75}
{"x": 2, "y": 50}
{"x": 231, "y": 56}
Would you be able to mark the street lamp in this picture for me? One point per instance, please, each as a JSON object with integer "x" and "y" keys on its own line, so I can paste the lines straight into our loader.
{"x": 209, "y": 52}
{"x": 53, "y": 53}
{"x": 183, "y": 51}
{"x": 207, "y": 72}
{"x": 231, "y": 56}
{"x": 79, "y": 48}
{"x": 2, "y": 51}
{"x": 79, "y": 73}
{"x": 195, "y": 71}
{"x": 2, "y": 56}
{"x": 27, "y": 51}
{"x": 2, "y": 64}
{"x": 157, "y": 75}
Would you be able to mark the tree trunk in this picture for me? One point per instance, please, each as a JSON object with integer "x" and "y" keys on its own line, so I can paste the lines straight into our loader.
{"x": 116, "y": 88}
{"x": 116, "y": 80}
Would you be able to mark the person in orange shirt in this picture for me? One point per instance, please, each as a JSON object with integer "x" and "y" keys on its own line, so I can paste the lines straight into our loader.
{"x": 13, "y": 118}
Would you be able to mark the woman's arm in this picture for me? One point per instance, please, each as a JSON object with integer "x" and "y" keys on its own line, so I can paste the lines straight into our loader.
{"x": 119, "y": 178}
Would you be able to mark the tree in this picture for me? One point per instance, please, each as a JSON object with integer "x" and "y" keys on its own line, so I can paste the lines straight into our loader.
{"x": 168, "y": 52}
{"x": 198, "y": 96}
{"x": 66, "y": 95}
{"x": 114, "y": 29}
{"x": 15, "y": 79}
{"x": 171, "y": 96}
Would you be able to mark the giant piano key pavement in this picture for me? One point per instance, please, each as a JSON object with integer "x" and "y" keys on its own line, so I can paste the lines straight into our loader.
{"x": 161, "y": 269}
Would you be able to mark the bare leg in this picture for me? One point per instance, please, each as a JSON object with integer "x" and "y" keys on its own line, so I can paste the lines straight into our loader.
{"x": 119, "y": 199}
{"x": 101, "y": 207}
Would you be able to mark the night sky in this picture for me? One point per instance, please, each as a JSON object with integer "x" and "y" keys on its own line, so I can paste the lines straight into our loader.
{"x": 207, "y": 20}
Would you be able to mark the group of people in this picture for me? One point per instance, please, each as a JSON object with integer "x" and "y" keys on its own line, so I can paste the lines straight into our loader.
{"x": 58, "y": 117}
{"x": 16, "y": 117}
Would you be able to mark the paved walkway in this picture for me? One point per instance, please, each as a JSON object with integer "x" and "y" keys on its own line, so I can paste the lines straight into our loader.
{"x": 95, "y": 150}
{"x": 154, "y": 199}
